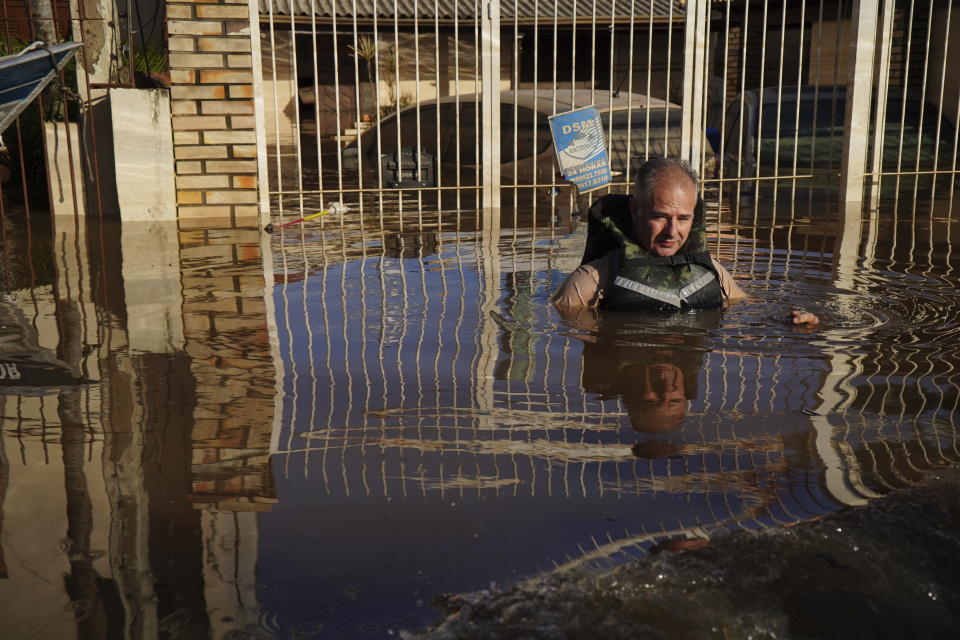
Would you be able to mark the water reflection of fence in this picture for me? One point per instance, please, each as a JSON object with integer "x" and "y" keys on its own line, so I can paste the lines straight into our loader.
{"x": 439, "y": 372}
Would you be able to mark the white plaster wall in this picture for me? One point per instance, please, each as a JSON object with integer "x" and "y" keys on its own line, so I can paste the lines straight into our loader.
{"x": 143, "y": 154}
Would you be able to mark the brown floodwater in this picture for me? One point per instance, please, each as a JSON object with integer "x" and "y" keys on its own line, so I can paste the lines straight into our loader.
{"x": 216, "y": 433}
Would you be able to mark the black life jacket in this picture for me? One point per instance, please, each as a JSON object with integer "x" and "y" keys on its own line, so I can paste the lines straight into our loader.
{"x": 686, "y": 280}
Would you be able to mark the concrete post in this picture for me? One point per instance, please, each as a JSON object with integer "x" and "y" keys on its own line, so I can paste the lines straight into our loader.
{"x": 490, "y": 143}
{"x": 695, "y": 44}
{"x": 859, "y": 88}
{"x": 143, "y": 154}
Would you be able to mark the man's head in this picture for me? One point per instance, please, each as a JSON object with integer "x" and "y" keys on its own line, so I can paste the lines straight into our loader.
{"x": 663, "y": 205}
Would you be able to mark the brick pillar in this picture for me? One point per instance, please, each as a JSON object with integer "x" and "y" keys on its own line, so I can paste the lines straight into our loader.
{"x": 211, "y": 91}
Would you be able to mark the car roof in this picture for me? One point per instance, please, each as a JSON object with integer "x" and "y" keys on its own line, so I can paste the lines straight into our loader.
{"x": 543, "y": 100}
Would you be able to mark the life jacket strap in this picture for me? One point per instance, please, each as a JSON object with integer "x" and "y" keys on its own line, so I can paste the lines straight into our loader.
{"x": 697, "y": 284}
{"x": 650, "y": 292}
{"x": 666, "y": 296}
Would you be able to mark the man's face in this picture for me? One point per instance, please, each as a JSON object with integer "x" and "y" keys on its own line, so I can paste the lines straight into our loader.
{"x": 663, "y": 227}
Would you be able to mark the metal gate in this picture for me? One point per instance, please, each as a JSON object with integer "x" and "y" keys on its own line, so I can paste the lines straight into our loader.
{"x": 416, "y": 109}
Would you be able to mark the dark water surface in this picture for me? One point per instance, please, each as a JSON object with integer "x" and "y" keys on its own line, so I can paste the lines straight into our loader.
{"x": 188, "y": 453}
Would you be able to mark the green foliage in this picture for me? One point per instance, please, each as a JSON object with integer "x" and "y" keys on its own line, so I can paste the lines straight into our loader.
{"x": 396, "y": 104}
{"x": 150, "y": 59}
{"x": 11, "y": 44}
{"x": 366, "y": 49}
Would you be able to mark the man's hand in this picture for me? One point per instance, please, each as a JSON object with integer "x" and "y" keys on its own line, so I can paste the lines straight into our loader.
{"x": 804, "y": 318}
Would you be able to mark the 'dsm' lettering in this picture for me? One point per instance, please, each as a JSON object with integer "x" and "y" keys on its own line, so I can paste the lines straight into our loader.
{"x": 575, "y": 127}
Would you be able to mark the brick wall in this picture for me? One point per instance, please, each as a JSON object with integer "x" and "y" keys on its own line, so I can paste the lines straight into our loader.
{"x": 211, "y": 91}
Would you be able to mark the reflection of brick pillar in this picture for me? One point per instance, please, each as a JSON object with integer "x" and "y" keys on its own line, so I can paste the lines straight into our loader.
{"x": 214, "y": 136}
{"x": 225, "y": 327}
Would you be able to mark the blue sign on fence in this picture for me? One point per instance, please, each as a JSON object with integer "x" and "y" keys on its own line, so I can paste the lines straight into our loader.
{"x": 579, "y": 141}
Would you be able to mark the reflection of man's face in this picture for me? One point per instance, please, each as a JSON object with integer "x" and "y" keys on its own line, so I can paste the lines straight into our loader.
{"x": 660, "y": 401}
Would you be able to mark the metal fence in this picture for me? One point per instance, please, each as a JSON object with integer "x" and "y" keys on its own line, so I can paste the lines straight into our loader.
{"x": 412, "y": 106}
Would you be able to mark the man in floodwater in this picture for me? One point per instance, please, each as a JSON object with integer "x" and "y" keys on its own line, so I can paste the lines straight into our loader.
{"x": 647, "y": 251}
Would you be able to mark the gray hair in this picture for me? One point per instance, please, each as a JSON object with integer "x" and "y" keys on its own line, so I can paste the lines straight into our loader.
{"x": 654, "y": 169}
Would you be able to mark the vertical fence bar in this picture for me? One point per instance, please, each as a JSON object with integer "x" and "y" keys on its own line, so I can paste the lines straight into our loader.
{"x": 723, "y": 115}
{"x": 885, "y": 37}
{"x": 358, "y": 111}
{"x": 742, "y": 106}
{"x": 629, "y": 168}
{"x": 456, "y": 101}
{"x": 666, "y": 100}
{"x": 438, "y": 161}
{"x": 760, "y": 123}
{"x": 905, "y": 84}
{"x": 923, "y": 91}
{"x": 536, "y": 112}
{"x": 859, "y": 89}
{"x": 796, "y": 114}
{"x": 573, "y": 57}
{"x": 416, "y": 106}
{"x": 490, "y": 77}
{"x": 943, "y": 84}
{"x": 376, "y": 110}
{"x": 314, "y": 67}
{"x": 296, "y": 115}
{"x": 779, "y": 120}
{"x": 646, "y": 139}
{"x": 553, "y": 107}
{"x": 611, "y": 82}
{"x": 478, "y": 140}
{"x": 704, "y": 80}
{"x": 515, "y": 156}
{"x": 398, "y": 90}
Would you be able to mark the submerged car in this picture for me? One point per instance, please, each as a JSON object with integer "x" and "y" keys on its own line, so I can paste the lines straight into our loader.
{"x": 435, "y": 143}
{"x": 807, "y": 132}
